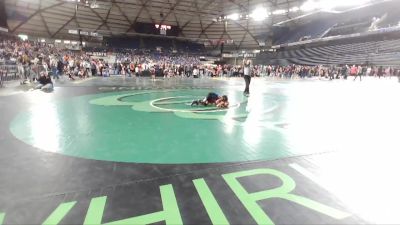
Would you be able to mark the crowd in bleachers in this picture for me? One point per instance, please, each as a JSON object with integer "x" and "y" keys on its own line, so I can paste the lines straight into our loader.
{"x": 330, "y": 72}
{"x": 327, "y": 71}
{"x": 152, "y": 43}
{"x": 33, "y": 58}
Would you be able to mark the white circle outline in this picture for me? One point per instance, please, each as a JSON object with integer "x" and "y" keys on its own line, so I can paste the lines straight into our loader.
{"x": 263, "y": 124}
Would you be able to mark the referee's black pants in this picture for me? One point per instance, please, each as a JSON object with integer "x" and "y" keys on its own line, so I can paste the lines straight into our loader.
{"x": 247, "y": 79}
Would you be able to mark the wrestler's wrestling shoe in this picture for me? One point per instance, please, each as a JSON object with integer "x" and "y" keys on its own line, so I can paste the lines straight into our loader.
{"x": 195, "y": 103}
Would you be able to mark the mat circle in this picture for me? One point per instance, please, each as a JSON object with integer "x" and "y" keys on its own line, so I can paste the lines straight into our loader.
{"x": 157, "y": 127}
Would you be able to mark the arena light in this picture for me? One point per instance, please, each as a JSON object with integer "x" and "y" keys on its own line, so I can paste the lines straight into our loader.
{"x": 259, "y": 14}
{"x": 234, "y": 16}
{"x": 331, "y": 4}
{"x": 311, "y": 5}
{"x": 23, "y": 37}
{"x": 294, "y": 9}
{"x": 72, "y": 31}
{"x": 93, "y": 5}
{"x": 279, "y": 12}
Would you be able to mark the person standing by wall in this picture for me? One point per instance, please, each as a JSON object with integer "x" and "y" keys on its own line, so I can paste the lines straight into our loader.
{"x": 53, "y": 66}
{"x": 331, "y": 72}
{"x": 361, "y": 71}
{"x": 380, "y": 72}
{"x": 398, "y": 74}
{"x": 247, "y": 76}
{"x": 353, "y": 70}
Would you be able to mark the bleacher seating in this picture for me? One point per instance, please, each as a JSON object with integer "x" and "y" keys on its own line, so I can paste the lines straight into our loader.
{"x": 374, "y": 52}
{"x": 312, "y": 30}
{"x": 187, "y": 46}
{"x": 348, "y": 22}
{"x": 390, "y": 21}
{"x": 350, "y": 27}
{"x": 123, "y": 42}
{"x": 151, "y": 43}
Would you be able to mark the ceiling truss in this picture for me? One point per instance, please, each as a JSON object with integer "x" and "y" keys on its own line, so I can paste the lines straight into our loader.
{"x": 195, "y": 18}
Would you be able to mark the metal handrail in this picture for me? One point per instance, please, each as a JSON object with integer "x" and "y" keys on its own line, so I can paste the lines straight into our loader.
{"x": 8, "y": 73}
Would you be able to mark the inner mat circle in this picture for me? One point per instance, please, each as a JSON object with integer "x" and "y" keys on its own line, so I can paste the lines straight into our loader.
{"x": 159, "y": 127}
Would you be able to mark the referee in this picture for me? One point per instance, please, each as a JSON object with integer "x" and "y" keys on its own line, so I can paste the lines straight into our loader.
{"x": 247, "y": 76}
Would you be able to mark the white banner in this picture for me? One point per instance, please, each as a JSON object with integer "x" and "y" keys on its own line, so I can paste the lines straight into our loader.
{"x": 3, "y": 29}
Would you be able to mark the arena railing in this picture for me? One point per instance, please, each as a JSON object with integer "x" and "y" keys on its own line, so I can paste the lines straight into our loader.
{"x": 8, "y": 73}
